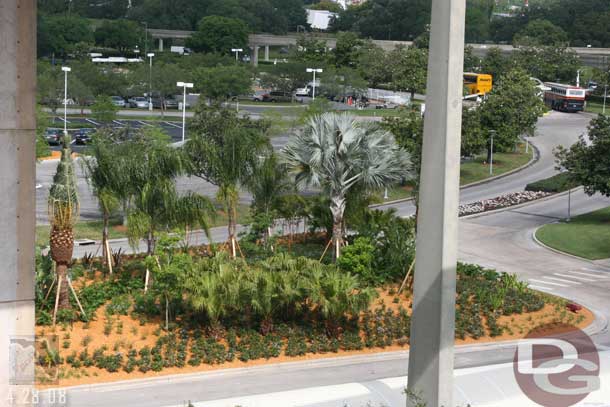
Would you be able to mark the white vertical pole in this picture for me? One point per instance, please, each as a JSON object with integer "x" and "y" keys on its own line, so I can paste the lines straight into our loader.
{"x": 184, "y": 116}
{"x": 433, "y": 320}
{"x": 491, "y": 161}
{"x": 65, "y": 103}
{"x": 314, "y": 86}
{"x": 605, "y": 95}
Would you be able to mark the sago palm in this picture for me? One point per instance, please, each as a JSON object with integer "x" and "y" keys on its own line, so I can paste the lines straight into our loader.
{"x": 63, "y": 206}
{"x": 335, "y": 152}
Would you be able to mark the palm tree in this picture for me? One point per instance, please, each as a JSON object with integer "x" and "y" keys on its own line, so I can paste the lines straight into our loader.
{"x": 63, "y": 206}
{"x": 224, "y": 150}
{"x": 104, "y": 168}
{"x": 336, "y": 153}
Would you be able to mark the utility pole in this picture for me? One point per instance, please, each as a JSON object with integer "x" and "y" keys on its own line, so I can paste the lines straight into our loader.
{"x": 433, "y": 320}
{"x": 17, "y": 192}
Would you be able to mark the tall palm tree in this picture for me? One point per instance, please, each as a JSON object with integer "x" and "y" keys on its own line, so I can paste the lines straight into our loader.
{"x": 224, "y": 150}
{"x": 104, "y": 167}
{"x": 63, "y": 206}
{"x": 155, "y": 203}
{"x": 336, "y": 153}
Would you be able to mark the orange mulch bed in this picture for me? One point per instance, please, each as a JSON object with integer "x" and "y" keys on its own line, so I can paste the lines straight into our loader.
{"x": 135, "y": 334}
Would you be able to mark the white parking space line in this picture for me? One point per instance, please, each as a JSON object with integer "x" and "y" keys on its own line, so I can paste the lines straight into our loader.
{"x": 145, "y": 124}
{"x": 173, "y": 125}
{"x": 576, "y": 277}
{"x": 548, "y": 282}
{"x": 596, "y": 271}
{"x": 562, "y": 280}
{"x": 119, "y": 123}
{"x": 62, "y": 119}
{"x": 92, "y": 122}
{"x": 539, "y": 287}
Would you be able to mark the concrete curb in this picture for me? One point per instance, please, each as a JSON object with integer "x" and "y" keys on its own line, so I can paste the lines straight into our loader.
{"x": 573, "y": 256}
{"x": 531, "y": 162}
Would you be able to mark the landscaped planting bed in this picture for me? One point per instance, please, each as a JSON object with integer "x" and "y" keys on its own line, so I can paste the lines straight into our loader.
{"x": 125, "y": 335}
{"x": 503, "y": 201}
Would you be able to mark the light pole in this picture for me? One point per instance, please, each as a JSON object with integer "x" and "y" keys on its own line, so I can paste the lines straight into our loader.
{"x": 237, "y": 51}
{"x": 578, "y": 79}
{"x": 150, "y": 56}
{"x": 569, "y": 205}
{"x": 65, "y": 69}
{"x": 315, "y": 71}
{"x": 491, "y": 153}
{"x": 184, "y": 85}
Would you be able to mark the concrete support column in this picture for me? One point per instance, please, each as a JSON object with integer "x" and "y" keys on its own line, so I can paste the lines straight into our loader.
{"x": 160, "y": 44}
{"x": 266, "y": 53}
{"x": 17, "y": 194}
{"x": 433, "y": 323}
{"x": 255, "y": 55}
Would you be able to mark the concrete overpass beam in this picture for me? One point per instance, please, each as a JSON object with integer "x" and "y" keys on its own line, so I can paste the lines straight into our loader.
{"x": 267, "y": 53}
{"x": 17, "y": 195}
{"x": 160, "y": 44}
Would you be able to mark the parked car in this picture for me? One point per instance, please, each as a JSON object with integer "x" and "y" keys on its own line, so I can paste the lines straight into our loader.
{"x": 53, "y": 136}
{"x": 83, "y": 136}
{"x": 170, "y": 103}
{"x": 306, "y": 91}
{"x": 118, "y": 101}
{"x": 260, "y": 96}
{"x": 278, "y": 96}
{"x": 139, "y": 102}
{"x": 387, "y": 105}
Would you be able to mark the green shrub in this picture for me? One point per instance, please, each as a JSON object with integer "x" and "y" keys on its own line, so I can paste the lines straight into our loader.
{"x": 557, "y": 183}
{"x": 357, "y": 259}
{"x": 119, "y": 305}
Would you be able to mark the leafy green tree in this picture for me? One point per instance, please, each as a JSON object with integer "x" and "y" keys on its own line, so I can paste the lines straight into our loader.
{"x": 511, "y": 109}
{"x": 104, "y": 165}
{"x": 541, "y": 33}
{"x": 224, "y": 151}
{"x": 327, "y": 5}
{"x": 311, "y": 50}
{"x": 342, "y": 82}
{"x": 223, "y": 82}
{"x": 495, "y": 63}
{"x": 548, "y": 63}
{"x": 219, "y": 34}
{"x": 374, "y": 65}
{"x": 154, "y": 202}
{"x": 103, "y": 110}
{"x": 587, "y": 161}
{"x": 122, "y": 35}
{"x": 474, "y": 135}
{"x": 60, "y": 34}
{"x": 409, "y": 69}
{"x": 286, "y": 77}
{"x": 42, "y": 122}
{"x": 336, "y": 153}
{"x": 348, "y": 49}
{"x": 50, "y": 86}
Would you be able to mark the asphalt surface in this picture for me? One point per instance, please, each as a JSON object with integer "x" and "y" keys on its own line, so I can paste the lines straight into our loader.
{"x": 500, "y": 240}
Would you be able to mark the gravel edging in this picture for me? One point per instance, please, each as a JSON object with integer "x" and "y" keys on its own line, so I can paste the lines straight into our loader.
{"x": 531, "y": 162}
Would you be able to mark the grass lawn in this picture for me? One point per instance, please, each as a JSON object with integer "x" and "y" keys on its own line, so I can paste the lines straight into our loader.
{"x": 595, "y": 107}
{"x": 93, "y": 229}
{"x": 586, "y": 236}
{"x": 476, "y": 170}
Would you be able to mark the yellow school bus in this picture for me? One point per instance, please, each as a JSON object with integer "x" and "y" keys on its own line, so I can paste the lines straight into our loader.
{"x": 478, "y": 83}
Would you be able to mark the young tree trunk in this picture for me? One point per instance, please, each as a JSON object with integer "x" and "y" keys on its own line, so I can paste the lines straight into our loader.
{"x": 105, "y": 238}
{"x": 166, "y": 313}
{"x": 150, "y": 243}
{"x": 64, "y": 290}
{"x": 337, "y": 208}
{"x": 232, "y": 230}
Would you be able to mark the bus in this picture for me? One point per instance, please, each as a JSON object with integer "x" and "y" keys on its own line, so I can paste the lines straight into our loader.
{"x": 566, "y": 98}
{"x": 478, "y": 83}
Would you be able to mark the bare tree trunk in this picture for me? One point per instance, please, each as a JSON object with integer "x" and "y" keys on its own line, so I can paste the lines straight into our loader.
{"x": 337, "y": 208}
{"x": 150, "y": 243}
{"x": 105, "y": 238}
{"x": 232, "y": 230}
{"x": 64, "y": 290}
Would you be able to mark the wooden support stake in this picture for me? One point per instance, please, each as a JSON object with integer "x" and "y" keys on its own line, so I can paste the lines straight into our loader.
{"x": 56, "y": 300}
{"x": 50, "y": 288}
{"x": 76, "y": 298}
{"x": 146, "y": 280}
{"x": 326, "y": 249}
{"x": 404, "y": 282}
{"x": 108, "y": 256}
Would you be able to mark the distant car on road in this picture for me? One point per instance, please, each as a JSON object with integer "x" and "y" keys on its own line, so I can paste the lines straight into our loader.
{"x": 306, "y": 91}
{"x": 260, "y": 96}
{"x": 83, "y": 136}
{"x": 118, "y": 101}
{"x": 138, "y": 102}
{"x": 169, "y": 103}
{"x": 387, "y": 105}
{"x": 278, "y": 96}
{"x": 53, "y": 136}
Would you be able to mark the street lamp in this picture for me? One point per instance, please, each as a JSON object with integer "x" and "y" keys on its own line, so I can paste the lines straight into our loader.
{"x": 491, "y": 153}
{"x": 65, "y": 69}
{"x": 237, "y": 51}
{"x": 605, "y": 96}
{"x": 184, "y": 85}
{"x": 315, "y": 71}
{"x": 150, "y": 55}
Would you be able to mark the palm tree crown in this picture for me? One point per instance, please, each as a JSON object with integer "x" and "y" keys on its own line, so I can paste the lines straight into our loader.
{"x": 335, "y": 152}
